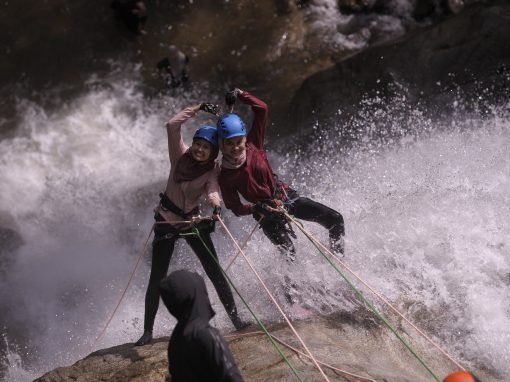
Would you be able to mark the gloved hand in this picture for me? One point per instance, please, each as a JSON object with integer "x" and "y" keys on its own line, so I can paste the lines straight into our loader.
{"x": 216, "y": 213}
{"x": 231, "y": 96}
{"x": 210, "y": 108}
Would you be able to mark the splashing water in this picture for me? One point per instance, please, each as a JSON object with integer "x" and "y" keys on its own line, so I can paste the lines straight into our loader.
{"x": 426, "y": 218}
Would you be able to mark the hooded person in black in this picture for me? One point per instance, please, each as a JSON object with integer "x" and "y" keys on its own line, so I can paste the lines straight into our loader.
{"x": 197, "y": 352}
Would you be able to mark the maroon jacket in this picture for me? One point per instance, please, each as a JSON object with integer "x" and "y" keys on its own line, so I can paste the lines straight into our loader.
{"x": 254, "y": 180}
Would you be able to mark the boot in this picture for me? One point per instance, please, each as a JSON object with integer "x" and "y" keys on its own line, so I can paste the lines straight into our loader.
{"x": 145, "y": 339}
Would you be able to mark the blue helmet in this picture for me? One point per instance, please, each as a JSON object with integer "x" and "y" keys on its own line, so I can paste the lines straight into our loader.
{"x": 230, "y": 126}
{"x": 207, "y": 133}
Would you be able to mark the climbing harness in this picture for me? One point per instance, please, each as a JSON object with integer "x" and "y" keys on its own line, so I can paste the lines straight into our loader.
{"x": 284, "y": 197}
{"x": 167, "y": 205}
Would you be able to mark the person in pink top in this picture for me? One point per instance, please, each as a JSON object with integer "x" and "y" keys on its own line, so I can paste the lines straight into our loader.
{"x": 193, "y": 174}
{"x": 246, "y": 172}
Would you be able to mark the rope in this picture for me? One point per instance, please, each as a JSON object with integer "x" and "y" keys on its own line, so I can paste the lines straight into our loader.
{"x": 274, "y": 301}
{"x": 244, "y": 244}
{"x": 395, "y": 310}
{"x": 316, "y": 243}
{"x": 275, "y": 345}
{"x": 125, "y": 289}
{"x": 234, "y": 336}
{"x": 383, "y": 299}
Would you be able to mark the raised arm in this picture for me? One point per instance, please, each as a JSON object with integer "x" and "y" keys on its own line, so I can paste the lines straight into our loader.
{"x": 176, "y": 146}
{"x": 260, "y": 110}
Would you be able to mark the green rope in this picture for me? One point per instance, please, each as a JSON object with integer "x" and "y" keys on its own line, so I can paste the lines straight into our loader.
{"x": 360, "y": 294}
{"x": 196, "y": 232}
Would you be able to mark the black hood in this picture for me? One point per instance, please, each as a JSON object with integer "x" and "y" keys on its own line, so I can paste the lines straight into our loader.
{"x": 185, "y": 295}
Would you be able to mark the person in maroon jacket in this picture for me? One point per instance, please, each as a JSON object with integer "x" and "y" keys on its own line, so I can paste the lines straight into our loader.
{"x": 245, "y": 171}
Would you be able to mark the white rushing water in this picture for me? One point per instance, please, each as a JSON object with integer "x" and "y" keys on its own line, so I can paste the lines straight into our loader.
{"x": 426, "y": 219}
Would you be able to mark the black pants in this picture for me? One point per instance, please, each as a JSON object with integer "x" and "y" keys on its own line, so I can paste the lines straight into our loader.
{"x": 162, "y": 250}
{"x": 277, "y": 229}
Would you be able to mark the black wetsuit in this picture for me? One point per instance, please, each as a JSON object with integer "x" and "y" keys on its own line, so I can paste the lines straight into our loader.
{"x": 162, "y": 250}
{"x": 197, "y": 352}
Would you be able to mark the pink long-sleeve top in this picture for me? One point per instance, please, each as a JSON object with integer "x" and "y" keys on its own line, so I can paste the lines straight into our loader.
{"x": 187, "y": 195}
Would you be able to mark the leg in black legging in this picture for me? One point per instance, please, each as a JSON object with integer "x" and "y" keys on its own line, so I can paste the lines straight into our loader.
{"x": 307, "y": 209}
{"x": 161, "y": 254}
{"x": 215, "y": 274}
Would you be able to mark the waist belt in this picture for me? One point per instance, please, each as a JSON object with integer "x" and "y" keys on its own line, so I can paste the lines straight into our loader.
{"x": 167, "y": 205}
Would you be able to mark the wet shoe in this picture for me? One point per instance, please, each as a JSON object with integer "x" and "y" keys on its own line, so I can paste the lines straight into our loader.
{"x": 145, "y": 339}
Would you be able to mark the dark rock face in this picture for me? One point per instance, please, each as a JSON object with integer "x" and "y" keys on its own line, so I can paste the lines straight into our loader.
{"x": 466, "y": 55}
{"x": 120, "y": 363}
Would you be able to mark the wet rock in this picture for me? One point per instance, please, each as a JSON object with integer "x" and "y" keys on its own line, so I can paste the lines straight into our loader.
{"x": 355, "y": 6}
{"x": 356, "y": 343}
{"x": 464, "y": 55}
